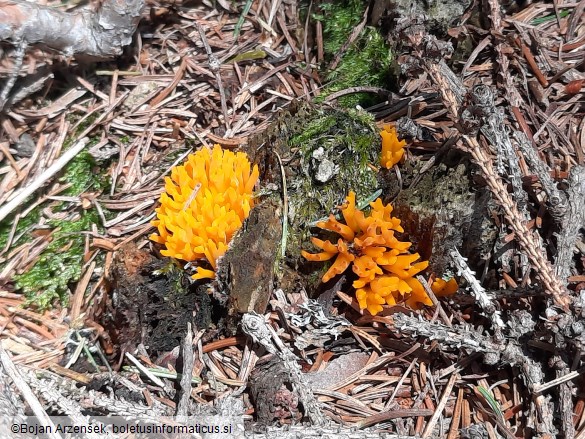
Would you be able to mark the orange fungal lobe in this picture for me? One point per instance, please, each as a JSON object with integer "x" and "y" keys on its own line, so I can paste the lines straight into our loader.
{"x": 205, "y": 202}
{"x": 384, "y": 268}
{"x": 443, "y": 288}
{"x": 392, "y": 148}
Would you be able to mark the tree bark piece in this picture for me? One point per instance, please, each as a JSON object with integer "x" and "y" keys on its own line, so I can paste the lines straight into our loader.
{"x": 100, "y": 34}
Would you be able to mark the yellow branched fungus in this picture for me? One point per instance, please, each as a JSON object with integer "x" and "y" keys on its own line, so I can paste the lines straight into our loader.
{"x": 205, "y": 202}
{"x": 443, "y": 288}
{"x": 384, "y": 267}
{"x": 392, "y": 148}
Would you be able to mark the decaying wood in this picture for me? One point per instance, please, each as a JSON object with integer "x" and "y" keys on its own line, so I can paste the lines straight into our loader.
{"x": 255, "y": 326}
{"x": 103, "y": 33}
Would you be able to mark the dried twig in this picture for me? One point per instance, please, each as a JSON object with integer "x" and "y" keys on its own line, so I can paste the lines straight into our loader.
{"x": 18, "y": 59}
{"x": 304, "y": 432}
{"x": 49, "y": 388}
{"x": 565, "y": 392}
{"x": 439, "y": 410}
{"x": 254, "y": 325}
{"x": 566, "y": 207}
{"x": 483, "y": 298}
{"x": 25, "y": 192}
{"x": 187, "y": 374}
{"x": 101, "y": 34}
{"x": 458, "y": 338}
{"x": 214, "y": 66}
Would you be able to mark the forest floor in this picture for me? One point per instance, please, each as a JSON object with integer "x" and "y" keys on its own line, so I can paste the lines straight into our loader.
{"x": 86, "y": 297}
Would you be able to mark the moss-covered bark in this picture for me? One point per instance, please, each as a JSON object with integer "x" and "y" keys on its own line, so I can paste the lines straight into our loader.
{"x": 315, "y": 155}
{"x": 441, "y": 211}
{"x": 325, "y": 152}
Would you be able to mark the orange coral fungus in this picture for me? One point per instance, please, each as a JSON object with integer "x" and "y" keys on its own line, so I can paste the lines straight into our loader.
{"x": 205, "y": 202}
{"x": 443, "y": 288}
{"x": 392, "y": 148}
{"x": 384, "y": 267}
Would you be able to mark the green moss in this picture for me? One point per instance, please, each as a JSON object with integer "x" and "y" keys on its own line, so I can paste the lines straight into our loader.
{"x": 315, "y": 129}
{"x": 366, "y": 62}
{"x": 81, "y": 175}
{"x": 21, "y": 234}
{"x": 74, "y": 118}
{"x": 339, "y": 19}
{"x": 348, "y": 140}
{"x": 59, "y": 265}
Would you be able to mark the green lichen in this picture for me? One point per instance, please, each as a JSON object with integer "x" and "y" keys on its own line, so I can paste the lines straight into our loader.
{"x": 366, "y": 62}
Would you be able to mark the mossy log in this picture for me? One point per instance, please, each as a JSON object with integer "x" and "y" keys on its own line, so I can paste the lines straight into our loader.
{"x": 309, "y": 160}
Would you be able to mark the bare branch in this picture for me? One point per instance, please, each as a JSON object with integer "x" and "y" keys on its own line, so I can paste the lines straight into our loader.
{"x": 557, "y": 200}
{"x": 27, "y": 393}
{"x": 566, "y": 207}
{"x": 466, "y": 338}
{"x": 429, "y": 53}
{"x": 484, "y": 299}
{"x": 101, "y": 34}
{"x": 573, "y": 220}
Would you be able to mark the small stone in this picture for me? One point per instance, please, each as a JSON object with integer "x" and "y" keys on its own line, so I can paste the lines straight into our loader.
{"x": 325, "y": 171}
{"x": 319, "y": 153}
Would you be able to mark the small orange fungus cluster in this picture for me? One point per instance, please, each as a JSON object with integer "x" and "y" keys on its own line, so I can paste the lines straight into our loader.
{"x": 392, "y": 148}
{"x": 384, "y": 266}
{"x": 205, "y": 202}
{"x": 442, "y": 287}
